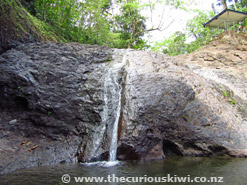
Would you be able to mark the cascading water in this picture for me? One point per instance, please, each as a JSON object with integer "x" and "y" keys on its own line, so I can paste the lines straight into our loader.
{"x": 112, "y": 97}
{"x": 111, "y": 110}
{"x": 113, "y": 146}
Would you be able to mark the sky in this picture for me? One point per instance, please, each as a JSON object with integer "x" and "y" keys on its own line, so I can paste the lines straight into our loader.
{"x": 180, "y": 18}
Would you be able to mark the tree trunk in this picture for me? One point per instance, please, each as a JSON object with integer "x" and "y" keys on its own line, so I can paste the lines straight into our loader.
{"x": 234, "y": 4}
{"x": 223, "y": 2}
{"x": 214, "y": 10}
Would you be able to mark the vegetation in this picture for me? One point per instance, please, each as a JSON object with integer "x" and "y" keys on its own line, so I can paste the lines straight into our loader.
{"x": 231, "y": 98}
{"x": 177, "y": 43}
{"x": 118, "y": 23}
{"x": 18, "y": 24}
{"x": 236, "y": 4}
{"x": 130, "y": 25}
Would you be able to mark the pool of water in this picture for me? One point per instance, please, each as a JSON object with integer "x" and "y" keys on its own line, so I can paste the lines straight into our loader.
{"x": 232, "y": 171}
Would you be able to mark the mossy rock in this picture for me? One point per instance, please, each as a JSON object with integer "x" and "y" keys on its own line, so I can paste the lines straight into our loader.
{"x": 19, "y": 26}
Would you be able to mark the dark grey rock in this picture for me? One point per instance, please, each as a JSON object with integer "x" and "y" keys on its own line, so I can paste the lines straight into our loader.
{"x": 55, "y": 92}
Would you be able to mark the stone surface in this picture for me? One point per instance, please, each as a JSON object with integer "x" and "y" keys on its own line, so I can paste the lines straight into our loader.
{"x": 56, "y": 94}
{"x": 169, "y": 110}
{"x": 223, "y": 60}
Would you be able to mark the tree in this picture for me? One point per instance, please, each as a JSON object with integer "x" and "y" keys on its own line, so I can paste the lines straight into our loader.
{"x": 201, "y": 34}
{"x": 91, "y": 22}
{"x": 223, "y": 2}
{"x": 234, "y": 2}
{"x": 131, "y": 24}
{"x": 176, "y": 44}
{"x": 60, "y": 14}
{"x": 243, "y": 3}
{"x": 82, "y": 21}
{"x": 94, "y": 24}
{"x": 159, "y": 9}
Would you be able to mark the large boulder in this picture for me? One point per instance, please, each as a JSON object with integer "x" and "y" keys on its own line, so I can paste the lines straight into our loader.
{"x": 168, "y": 109}
{"x": 51, "y": 98}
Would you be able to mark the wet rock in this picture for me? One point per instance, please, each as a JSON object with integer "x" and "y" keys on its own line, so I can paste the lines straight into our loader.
{"x": 127, "y": 152}
{"x": 101, "y": 143}
{"x": 13, "y": 122}
{"x": 55, "y": 90}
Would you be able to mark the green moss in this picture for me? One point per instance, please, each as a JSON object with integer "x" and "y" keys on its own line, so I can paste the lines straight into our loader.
{"x": 186, "y": 118}
{"x": 46, "y": 32}
{"x": 224, "y": 93}
{"x": 234, "y": 100}
{"x": 18, "y": 24}
{"x": 229, "y": 95}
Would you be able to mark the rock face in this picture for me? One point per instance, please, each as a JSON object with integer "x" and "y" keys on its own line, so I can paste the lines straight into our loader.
{"x": 54, "y": 92}
{"x": 59, "y": 103}
{"x": 222, "y": 60}
{"x": 168, "y": 109}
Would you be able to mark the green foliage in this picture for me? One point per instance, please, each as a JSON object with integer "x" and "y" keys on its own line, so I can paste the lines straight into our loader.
{"x": 242, "y": 4}
{"x": 201, "y": 34}
{"x": 62, "y": 15}
{"x": 94, "y": 23}
{"x": 233, "y": 102}
{"x": 176, "y": 44}
{"x": 236, "y": 4}
{"x": 224, "y": 93}
{"x": 131, "y": 25}
{"x": 230, "y": 96}
{"x": 91, "y": 22}
{"x": 18, "y": 24}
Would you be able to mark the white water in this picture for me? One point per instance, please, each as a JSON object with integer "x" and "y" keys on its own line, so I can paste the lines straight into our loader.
{"x": 111, "y": 112}
{"x": 102, "y": 163}
{"x": 113, "y": 87}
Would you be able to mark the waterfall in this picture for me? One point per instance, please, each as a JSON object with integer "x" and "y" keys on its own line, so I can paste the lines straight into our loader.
{"x": 106, "y": 133}
{"x": 113, "y": 146}
{"x": 112, "y": 99}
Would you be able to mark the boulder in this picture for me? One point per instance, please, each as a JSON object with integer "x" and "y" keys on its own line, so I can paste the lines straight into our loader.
{"x": 170, "y": 110}
{"x": 54, "y": 91}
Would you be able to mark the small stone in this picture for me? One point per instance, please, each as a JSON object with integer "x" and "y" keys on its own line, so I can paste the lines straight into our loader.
{"x": 13, "y": 122}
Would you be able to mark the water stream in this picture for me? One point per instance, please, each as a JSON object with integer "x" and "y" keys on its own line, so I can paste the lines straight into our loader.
{"x": 108, "y": 128}
{"x": 116, "y": 91}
